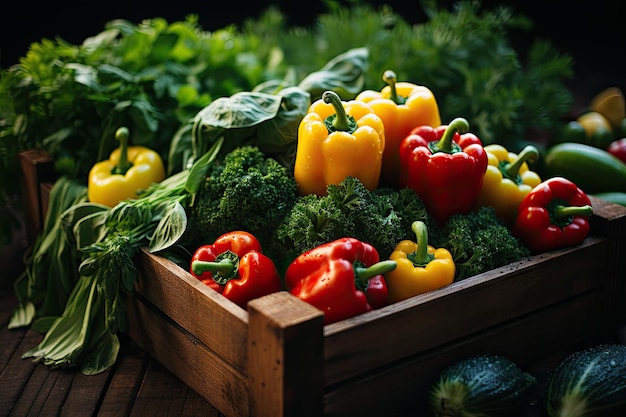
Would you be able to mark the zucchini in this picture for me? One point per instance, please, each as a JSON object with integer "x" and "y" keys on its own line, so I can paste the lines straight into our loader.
{"x": 594, "y": 170}
{"x": 612, "y": 197}
{"x": 483, "y": 385}
{"x": 590, "y": 382}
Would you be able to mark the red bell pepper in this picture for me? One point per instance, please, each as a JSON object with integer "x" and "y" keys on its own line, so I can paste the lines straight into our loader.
{"x": 235, "y": 266}
{"x": 445, "y": 166}
{"x": 554, "y": 214}
{"x": 617, "y": 148}
{"x": 343, "y": 278}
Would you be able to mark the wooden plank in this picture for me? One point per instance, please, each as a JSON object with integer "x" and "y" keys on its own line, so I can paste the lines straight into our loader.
{"x": 125, "y": 381}
{"x": 403, "y": 387}
{"x": 610, "y": 220}
{"x": 37, "y": 167}
{"x": 378, "y": 338}
{"x": 85, "y": 394}
{"x": 185, "y": 356}
{"x": 201, "y": 311}
{"x": 17, "y": 373}
{"x": 285, "y": 349}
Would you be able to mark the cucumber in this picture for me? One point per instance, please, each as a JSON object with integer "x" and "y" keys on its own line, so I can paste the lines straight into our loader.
{"x": 589, "y": 382}
{"x": 483, "y": 385}
{"x": 612, "y": 197}
{"x": 592, "y": 169}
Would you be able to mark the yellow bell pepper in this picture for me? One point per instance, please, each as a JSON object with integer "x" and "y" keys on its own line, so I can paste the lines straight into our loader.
{"x": 419, "y": 267}
{"x": 507, "y": 180}
{"x": 129, "y": 170}
{"x": 336, "y": 140}
{"x": 402, "y": 106}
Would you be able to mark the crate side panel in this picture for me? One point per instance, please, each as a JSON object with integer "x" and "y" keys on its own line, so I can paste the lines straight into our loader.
{"x": 610, "y": 220}
{"x": 423, "y": 322}
{"x": 402, "y": 388}
{"x": 204, "y": 371}
{"x": 207, "y": 315}
{"x": 36, "y": 167}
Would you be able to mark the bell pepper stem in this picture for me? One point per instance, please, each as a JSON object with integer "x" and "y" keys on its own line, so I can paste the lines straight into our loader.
{"x": 560, "y": 212}
{"x": 123, "y": 165}
{"x": 363, "y": 274}
{"x": 340, "y": 121}
{"x": 528, "y": 154}
{"x": 223, "y": 267}
{"x": 390, "y": 78}
{"x": 446, "y": 143}
{"x": 421, "y": 257}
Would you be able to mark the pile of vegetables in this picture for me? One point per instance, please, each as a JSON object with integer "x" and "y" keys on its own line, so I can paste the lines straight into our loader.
{"x": 156, "y": 75}
{"x": 291, "y": 162}
{"x": 591, "y": 149}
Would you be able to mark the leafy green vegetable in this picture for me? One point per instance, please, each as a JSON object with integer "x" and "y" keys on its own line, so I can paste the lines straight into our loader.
{"x": 479, "y": 242}
{"x": 51, "y": 274}
{"x": 106, "y": 241}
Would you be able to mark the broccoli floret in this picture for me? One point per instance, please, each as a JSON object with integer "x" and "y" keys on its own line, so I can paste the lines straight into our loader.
{"x": 479, "y": 241}
{"x": 246, "y": 191}
{"x": 382, "y": 217}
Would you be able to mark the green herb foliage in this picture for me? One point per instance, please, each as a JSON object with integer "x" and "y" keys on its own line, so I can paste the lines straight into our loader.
{"x": 84, "y": 331}
{"x": 462, "y": 53}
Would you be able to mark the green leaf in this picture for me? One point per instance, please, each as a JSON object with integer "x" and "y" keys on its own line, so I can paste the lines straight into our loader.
{"x": 65, "y": 340}
{"x": 240, "y": 110}
{"x": 198, "y": 171}
{"x": 22, "y": 316}
{"x": 102, "y": 355}
{"x": 344, "y": 74}
{"x": 170, "y": 229}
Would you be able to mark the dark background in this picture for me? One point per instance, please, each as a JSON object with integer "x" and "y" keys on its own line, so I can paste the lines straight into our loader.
{"x": 592, "y": 34}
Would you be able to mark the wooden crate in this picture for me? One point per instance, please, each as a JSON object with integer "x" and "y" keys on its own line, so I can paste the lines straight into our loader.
{"x": 278, "y": 359}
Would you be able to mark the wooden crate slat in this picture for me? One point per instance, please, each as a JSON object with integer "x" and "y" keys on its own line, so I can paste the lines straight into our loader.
{"x": 403, "y": 388}
{"x": 210, "y": 317}
{"x": 188, "y": 358}
{"x": 373, "y": 340}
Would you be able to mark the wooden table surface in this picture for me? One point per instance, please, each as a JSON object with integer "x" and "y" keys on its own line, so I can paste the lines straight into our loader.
{"x": 136, "y": 386}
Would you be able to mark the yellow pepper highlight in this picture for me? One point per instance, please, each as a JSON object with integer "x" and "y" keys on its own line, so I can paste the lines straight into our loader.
{"x": 128, "y": 170}
{"x": 338, "y": 139}
{"x": 402, "y": 106}
{"x": 420, "y": 267}
{"x": 507, "y": 180}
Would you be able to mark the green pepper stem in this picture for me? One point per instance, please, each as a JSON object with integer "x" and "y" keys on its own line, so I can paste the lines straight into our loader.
{"x": 123, "y": 165}
{"x": 363, "y": 274}
{"x": 446, "y": 144}
{"x": 560, "y": 212}
{"x": 511, "y": 169}
{"x": 390, "y": 78}
{"x": 421, "y": 235}
{"x": 342, "y": 121}
{"x": 223, "y": 267}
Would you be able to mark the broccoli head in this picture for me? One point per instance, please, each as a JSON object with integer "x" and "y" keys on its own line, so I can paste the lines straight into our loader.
{"x": 245, "y": 191}
{"x": 479, "y": 241}
{"x": 382, "y": 218}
